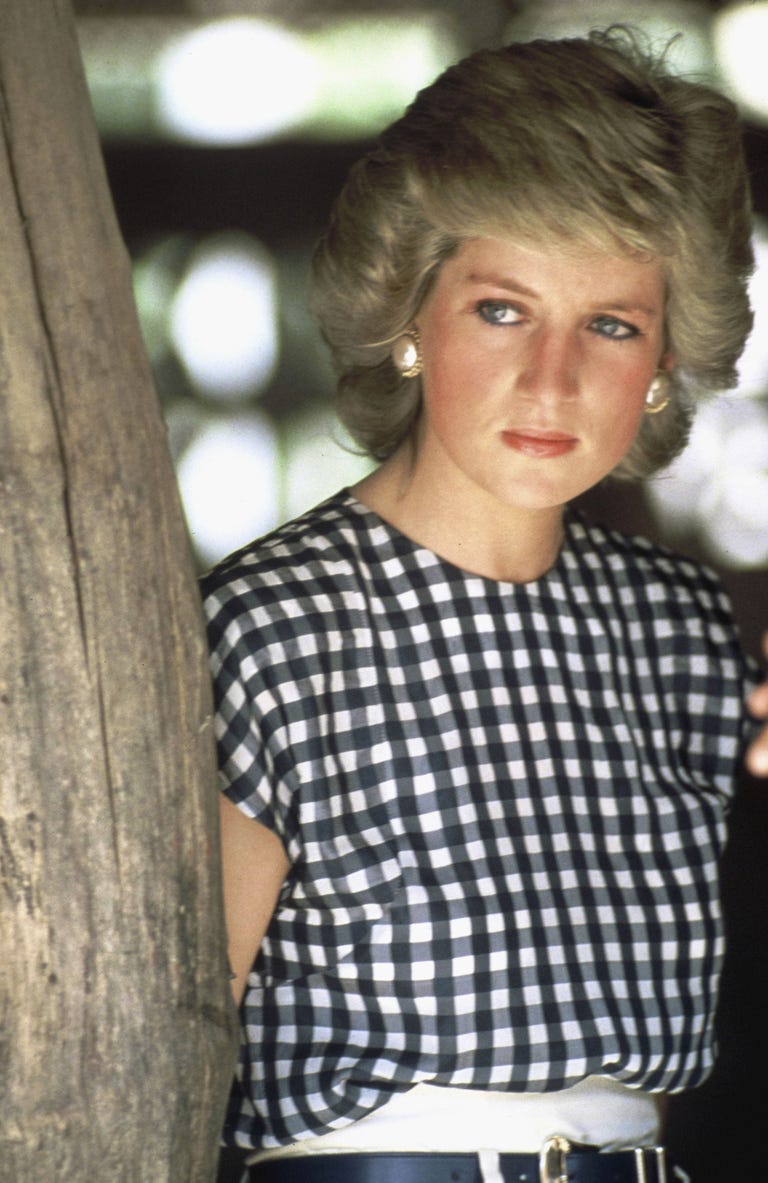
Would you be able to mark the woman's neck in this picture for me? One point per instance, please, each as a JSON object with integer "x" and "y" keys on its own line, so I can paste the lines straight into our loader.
{"x": 478, "y": 534}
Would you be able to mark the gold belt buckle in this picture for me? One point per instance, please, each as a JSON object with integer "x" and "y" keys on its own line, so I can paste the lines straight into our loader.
{"x": 552, "y": 1168}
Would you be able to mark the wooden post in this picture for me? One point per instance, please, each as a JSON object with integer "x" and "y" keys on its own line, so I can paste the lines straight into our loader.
{"x": 116, "y": 1027}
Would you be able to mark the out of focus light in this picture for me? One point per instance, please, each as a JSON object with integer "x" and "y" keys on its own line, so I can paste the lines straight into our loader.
{"x": 224, "y": 318}
{"x": 117, "y": 53}
{"x": 718, "y": 488}
{"x": 736, "y": 508}
{"x": 319, "y": 461}
{"x": 679, "y": 27}
{"x": 241, "y": 80}
{"x": 740, "y": 35}
{"x": 369, "y": 69}
{"x": 753, "y": 366}
{"x": 234, "y": 81}
{"x": 229, "y": 482}
{"x": 155, "y": 279}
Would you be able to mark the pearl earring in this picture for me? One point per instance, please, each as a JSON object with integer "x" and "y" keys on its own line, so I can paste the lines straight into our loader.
{"x": 406, "y": 353}
{"x": 658, "y": 393}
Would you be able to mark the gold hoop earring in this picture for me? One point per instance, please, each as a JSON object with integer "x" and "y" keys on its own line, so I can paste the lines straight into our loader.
{"x": 406, "y": 353}
{"x": 658, "y": 394}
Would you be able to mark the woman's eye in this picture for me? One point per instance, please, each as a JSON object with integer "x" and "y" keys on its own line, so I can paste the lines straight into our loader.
{"x": 498, "y": 312}
{"x": 611, "y": 326}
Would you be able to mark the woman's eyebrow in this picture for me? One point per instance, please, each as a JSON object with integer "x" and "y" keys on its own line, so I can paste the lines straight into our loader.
{"x": 631, "y": 309}
{"x": 509, "y": 283}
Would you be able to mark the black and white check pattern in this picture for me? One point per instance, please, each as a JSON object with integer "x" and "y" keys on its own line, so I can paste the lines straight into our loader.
{"x": 504, "y": 806}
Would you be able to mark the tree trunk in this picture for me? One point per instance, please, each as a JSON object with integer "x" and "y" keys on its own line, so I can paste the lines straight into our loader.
{"x": 116, "y": 1026}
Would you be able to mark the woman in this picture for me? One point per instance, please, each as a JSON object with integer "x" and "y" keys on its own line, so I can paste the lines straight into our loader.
{"x": 477, "y": 753}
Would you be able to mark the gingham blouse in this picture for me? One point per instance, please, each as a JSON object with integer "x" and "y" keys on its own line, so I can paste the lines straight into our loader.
{"x": 503, "y": 805}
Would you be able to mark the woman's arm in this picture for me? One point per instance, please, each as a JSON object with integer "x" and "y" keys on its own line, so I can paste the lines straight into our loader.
{"x": 254, "y": 869}
{"x": 757, "y": 754}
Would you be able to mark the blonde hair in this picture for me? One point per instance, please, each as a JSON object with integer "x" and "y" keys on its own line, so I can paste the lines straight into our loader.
{"x": 584, "y": 139}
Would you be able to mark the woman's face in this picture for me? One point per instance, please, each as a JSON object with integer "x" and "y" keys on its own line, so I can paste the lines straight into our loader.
{"x": 537, "y": 362}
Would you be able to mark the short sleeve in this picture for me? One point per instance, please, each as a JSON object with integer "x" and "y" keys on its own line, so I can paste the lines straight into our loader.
{"x": 721, "y": 677}
{"x": 243, "y": 704}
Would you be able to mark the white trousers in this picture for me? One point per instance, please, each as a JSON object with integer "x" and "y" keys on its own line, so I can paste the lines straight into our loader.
{"x": 431, "y": 1119}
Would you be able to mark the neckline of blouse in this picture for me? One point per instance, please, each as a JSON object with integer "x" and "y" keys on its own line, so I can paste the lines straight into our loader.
{"x": 402, "y": 543}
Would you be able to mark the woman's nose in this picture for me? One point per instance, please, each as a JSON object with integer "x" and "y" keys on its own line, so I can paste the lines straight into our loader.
{"x": 551, "y": 368}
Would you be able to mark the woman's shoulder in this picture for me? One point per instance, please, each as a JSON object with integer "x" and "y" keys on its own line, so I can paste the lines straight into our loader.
{"x": 649, "y": 581}
{"x": 639, "y": 558}
{"x": 300, "y": 561}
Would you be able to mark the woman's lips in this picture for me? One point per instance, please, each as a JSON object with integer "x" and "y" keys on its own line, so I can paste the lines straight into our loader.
{"x": 539, "y": 443}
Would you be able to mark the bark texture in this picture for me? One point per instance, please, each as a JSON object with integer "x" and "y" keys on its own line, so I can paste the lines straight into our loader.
{"x": 116, "y": 1027}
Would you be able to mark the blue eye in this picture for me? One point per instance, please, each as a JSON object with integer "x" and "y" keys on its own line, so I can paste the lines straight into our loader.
{"x": 498, "y": 312}
{"x": 613, "y": 328}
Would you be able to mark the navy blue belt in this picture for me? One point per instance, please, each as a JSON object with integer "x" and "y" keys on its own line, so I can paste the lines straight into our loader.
{"x": 556, "y": 1164}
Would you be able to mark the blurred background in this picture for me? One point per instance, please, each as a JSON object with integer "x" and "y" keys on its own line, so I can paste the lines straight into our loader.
{"x": 227, "y": 127}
